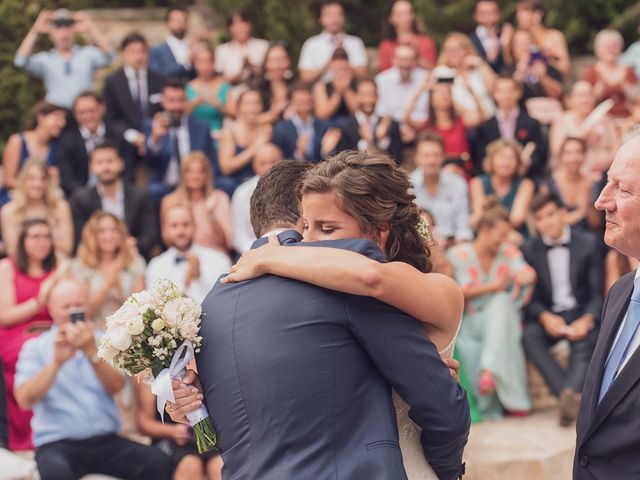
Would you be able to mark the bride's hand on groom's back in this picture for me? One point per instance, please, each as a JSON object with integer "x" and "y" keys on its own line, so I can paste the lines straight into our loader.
{"x": 188, "y": 395}
{"x": 252, "y": 263}
{"x": 454, "y": 368}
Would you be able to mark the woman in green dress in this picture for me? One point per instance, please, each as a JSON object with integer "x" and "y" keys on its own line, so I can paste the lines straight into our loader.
{"x": 208, "y": 92}
{"x": 496, "y": 283}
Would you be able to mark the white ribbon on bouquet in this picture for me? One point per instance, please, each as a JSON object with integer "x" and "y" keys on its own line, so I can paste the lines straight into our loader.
{"x": 162, "y": 388}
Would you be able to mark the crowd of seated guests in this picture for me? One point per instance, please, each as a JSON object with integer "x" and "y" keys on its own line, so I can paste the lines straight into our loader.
{"x": 151, "y": 176}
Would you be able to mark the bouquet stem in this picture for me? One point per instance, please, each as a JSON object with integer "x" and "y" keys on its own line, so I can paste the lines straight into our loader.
{"x": 206, "y": 438}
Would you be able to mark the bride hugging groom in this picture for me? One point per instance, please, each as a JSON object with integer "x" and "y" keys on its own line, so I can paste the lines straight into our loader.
{"x": 307, "y": 336}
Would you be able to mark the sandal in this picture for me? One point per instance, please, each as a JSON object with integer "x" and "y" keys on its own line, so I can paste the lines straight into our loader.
{"x": 487, "y": 383}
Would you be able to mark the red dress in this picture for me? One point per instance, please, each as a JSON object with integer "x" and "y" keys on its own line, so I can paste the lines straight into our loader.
{"x": 614, "y": 92}
{"x": 455, "y": 142}
{"x": 11, "y": 340}
{"x": 426, "y": 49}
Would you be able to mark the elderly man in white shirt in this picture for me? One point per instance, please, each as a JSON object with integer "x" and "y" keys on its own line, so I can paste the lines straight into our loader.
{"x": 243, "y": 233}
{"x": 317, "y": 51}
{"x": 193, "y": 268}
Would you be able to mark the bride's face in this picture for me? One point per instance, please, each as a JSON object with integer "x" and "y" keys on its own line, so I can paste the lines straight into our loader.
{"x": 325, "y": 220}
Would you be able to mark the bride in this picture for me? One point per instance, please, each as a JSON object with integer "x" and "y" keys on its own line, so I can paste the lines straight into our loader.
{"x": 364, "y": 195}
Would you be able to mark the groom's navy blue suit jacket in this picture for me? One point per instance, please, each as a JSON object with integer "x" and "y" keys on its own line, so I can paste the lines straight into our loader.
{"x": 297, "y": 380}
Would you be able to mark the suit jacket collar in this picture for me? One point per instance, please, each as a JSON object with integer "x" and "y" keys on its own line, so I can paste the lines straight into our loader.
{"x": 615, "y": 311}
{"x": 286, "y": 237}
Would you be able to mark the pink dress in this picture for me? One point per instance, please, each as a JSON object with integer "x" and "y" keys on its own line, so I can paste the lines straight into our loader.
{"x": 11, "y": 340}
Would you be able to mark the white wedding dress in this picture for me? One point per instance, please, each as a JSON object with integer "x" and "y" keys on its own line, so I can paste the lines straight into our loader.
{"x": 415, "y": 464}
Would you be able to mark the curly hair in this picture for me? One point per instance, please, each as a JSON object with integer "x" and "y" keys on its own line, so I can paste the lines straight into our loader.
{"x": 88, "y": 250}
{"x": 375, "y": 191}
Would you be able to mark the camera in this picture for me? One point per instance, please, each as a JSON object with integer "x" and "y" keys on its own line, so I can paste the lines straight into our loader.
{"x": 77, "y": 316}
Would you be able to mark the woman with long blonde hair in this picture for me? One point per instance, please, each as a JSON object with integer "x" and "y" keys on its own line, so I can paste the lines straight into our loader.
{"x": 108, "y": 265}
{"x": 211, "y": 208}
{"x": 36, "y": 196}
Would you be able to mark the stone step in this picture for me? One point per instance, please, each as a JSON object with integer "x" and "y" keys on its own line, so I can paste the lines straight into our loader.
{"x": 531, "y": 448}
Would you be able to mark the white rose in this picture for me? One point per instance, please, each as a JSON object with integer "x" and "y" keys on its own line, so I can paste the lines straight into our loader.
{"x": 119, "y": 338}
{"x": 189, "y": 330}
{"x": 135, "y": 325}
{"x": 171, "y": 312}
{"x": 143, "y": 298}
{"x": 157, "y": 324}
{"x": 106, "y": 351}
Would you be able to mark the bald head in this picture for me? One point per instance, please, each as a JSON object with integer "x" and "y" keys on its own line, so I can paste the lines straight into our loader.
{"x": 265, "y": 158}
{"x": 66, "y": 296}
{"x": 620, "y": 200}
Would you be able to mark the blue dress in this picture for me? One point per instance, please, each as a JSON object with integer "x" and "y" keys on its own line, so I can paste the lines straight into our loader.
{"x": 51, "y": 161}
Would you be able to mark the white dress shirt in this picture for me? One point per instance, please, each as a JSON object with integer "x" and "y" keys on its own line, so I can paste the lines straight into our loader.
{"x": 317, "y": 50}
{"x": 180, "y": 50}
{"x": 243, "y": 235}
{"x": 635, "y": 341}
{"x": 230, "y": 56}
{"x": 394, "y": 94}
{"x": 559, "y": 261}
{"x": 168, "y": 265}
{"x": 114, "y": 206}
{"x": 172, "y": 175}
{"x": 490, "y": 42}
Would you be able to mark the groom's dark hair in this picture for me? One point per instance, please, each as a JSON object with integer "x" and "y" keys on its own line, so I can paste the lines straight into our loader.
{"x": 275, "y": 202}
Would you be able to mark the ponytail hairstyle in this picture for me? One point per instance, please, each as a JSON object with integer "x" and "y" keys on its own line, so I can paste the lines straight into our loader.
{"x": 375, "y": 191}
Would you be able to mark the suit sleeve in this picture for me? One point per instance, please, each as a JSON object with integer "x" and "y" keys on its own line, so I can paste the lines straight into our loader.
{"x": 80, "y": 215}
{"x": 595, "y": 279}
{"x": 410, "y": 363}
{"x": 111, "y": 116}
{"x": 539, "y": 157}
{"x": 537, "y": 305}
{"x": 69, "y": 181}
{"x": 146, "y": 231}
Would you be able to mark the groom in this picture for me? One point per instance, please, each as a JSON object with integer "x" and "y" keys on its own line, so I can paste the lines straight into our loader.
{"x": 297, "y": 378}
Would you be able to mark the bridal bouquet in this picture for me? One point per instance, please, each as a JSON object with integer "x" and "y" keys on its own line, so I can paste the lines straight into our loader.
{"x": 154, "y": 334}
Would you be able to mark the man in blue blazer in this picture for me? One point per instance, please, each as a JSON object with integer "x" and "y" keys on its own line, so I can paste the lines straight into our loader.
{"x": 171, "y": 136}
{"x": 171, "y": 57}
{"x": 300, "y": 137}
{"x": 298, "y": 378}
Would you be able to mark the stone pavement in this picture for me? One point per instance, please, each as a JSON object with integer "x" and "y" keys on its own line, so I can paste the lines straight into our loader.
{"x": 532, "y": 448}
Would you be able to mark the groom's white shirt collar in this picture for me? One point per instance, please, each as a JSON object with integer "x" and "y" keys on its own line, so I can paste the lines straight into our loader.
{"x": 277, "y": 231}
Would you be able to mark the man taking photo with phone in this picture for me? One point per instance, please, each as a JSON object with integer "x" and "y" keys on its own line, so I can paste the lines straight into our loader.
{"x": 71, "y": 391}
{"x": 68, "y": 68}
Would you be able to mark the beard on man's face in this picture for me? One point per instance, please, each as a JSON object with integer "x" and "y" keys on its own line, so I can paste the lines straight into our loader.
{"x": 179, "y": 33}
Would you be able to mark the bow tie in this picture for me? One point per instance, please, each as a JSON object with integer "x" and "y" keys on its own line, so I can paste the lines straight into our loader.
{"x": 180, "y": 259}
{"x": 557, "y": 245}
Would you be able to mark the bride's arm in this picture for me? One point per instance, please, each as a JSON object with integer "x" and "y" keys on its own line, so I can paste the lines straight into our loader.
{"x": 432, "y": 298}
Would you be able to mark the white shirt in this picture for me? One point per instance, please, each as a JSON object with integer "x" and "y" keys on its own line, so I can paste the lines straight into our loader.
{"x": 132, "y": 79}
{"x": 463, "y": 97}
{"x": 91, "y": 139}
{"x": 114, "y": 206}
{"x": 394, "y": 94}
{"x": 172, "y": 175}
{"x": 212, "y": 265}
{"x": 635, "y": 341}
{"x": 180, "y": 50}
{"x": 559, "y": 259}
{"x": 243, "y": 235}
{"x": 317, "y": 50}
{"x": 489, "y": 42}
{"x": 230, "y": 56}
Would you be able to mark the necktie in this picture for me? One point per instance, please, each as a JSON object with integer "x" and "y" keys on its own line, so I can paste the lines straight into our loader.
{"x": 180, "y": 259}
{"x": 140, "y": 101}
{"x": 621, "y": 347}
{"x": 175, "y": 145}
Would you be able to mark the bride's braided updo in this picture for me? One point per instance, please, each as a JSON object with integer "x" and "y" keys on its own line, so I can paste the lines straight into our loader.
{"x": 375, "y": 191}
